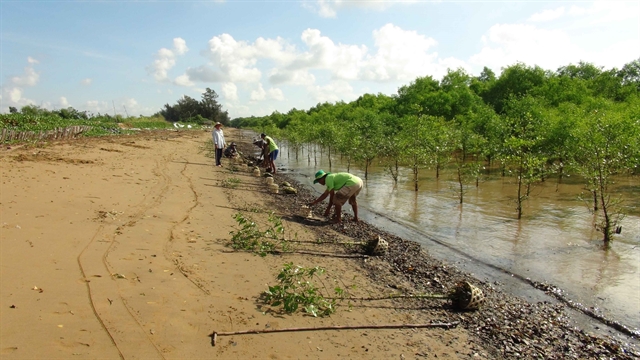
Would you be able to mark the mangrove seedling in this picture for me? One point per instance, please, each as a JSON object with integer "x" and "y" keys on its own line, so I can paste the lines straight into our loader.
{"x": 248, "y": 235}
{"x": 295, "y": 290}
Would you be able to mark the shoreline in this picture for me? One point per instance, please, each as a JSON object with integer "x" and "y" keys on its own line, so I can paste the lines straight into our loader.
{"x": 118, "y": 247}
{"x": 525, "y": 343}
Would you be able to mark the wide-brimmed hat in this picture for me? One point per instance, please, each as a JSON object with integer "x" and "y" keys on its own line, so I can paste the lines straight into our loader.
{"x": 319, "y": 175}
{"x": 218, "y": 123}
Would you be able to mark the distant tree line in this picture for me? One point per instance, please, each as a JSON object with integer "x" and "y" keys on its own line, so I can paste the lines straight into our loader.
{"x": 528, "y": 122}
{"x": 189, "y": 110}
{"x": 205, "y": 112}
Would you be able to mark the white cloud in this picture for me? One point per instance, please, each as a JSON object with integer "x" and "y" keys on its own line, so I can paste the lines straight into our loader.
{"x": 275, "y": 94}
{"x": 13, "y": 97}
{"x": 130, "y": 102}
{"x": 547, "y": 15}
{"x": 506, "y": 44}
{"x": 97, "y": 106}
{"x": 180, "y": 46}
{"x": 30, "y": 76}
{"x": 606, "y": 11}
{"x": 342, "y": 60}
{"x": 259, "y": 94}
{"x": 86, "y": 81}
{"x": 13, "y": 94}
{"x": 295, "y": 77}
{"x": 230, "y": 91}
{"x": 63, "y": 102}
{"x": 205, "y": 74}
{"x": 272, "y": 94}
{"x": 240, "y": 109}
{"x": 401, "y": 55}
{"x": 166, "y": 59}
{"x": 236, "y": 59}
{"x": 183, "y": 80}
{"x": 332, "y": 92}
{"x": 597, "y": 33}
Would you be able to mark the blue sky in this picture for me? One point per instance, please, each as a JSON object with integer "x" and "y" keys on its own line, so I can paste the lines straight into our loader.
{"x": 263, "y": 56}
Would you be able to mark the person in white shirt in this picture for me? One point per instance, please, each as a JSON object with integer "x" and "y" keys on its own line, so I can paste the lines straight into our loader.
{"x": 218, "y": 142}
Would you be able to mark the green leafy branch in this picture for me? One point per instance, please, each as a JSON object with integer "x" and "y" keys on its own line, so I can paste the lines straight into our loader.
{"x": 248, "y": 235}
{"x": 295, "y": 290}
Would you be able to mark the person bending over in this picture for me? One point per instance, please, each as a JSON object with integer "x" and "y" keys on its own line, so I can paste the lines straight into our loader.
{"x": 273, "y": 152}
{"x": 231, "y": 150}
{"x": 340, "y": 187}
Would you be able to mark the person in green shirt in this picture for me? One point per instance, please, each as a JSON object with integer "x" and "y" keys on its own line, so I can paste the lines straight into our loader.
{"x": 340, "y": 187}
{"x": 273, "y": 152}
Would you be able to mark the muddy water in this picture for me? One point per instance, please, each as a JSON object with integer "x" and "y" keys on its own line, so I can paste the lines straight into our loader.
{"x": 555, "y": 241}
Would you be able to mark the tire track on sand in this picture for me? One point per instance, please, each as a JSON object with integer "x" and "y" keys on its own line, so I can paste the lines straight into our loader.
{"x": 168, "y": 247}
{"x": 109, "y": 306}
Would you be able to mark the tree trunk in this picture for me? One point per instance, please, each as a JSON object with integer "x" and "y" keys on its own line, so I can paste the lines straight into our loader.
{"x": 460, "y": 183}
{"x": 607, "y": 226}
{"x": 415, "y": 173}
{"x": 519, "y": 207}
{"x": 395, "y": 178}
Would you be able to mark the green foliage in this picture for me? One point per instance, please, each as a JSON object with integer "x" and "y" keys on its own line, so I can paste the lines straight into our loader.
{"x": 515, "y": 81}
{"x": 249, "y": 237}
{"x": 606, "y": 145}
{"x": 204, "y": 112}
{"x": 231, "y": 183}
{"x": 522, "y": 151}
{"x": 526, "y": 119}
{"x": 295, "y": 290}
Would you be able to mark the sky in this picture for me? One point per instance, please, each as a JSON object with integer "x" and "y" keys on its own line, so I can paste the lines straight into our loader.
{"x": 133, "y": 57}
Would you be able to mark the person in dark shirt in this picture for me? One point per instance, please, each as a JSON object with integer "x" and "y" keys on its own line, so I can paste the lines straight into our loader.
{"x": 231, "y": 150}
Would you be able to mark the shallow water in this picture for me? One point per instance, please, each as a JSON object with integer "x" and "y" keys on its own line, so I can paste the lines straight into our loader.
{"x": 555, "y": 241}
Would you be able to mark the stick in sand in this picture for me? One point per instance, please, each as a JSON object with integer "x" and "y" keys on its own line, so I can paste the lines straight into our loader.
{"x": 214, "y": 335}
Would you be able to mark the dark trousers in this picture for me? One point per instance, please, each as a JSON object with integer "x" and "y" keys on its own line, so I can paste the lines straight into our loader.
{"x": 218, "y": 156}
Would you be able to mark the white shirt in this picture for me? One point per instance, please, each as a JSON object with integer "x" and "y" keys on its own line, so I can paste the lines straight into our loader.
{"x": 218, "y": 139}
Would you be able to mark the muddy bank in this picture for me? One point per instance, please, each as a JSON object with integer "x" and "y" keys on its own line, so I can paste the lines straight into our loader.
{"x": 508, "y": 326}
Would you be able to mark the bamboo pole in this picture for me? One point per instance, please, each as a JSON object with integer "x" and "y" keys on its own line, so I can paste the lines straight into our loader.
{"x": 214, "y": 335}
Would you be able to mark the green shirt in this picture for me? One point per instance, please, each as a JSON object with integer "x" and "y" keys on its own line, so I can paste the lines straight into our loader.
{"x": 335, "y": 181}
{"x": 272, "y": 144}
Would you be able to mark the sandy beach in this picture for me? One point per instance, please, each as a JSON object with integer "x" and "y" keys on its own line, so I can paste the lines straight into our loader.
{"x": 116, "y": 247}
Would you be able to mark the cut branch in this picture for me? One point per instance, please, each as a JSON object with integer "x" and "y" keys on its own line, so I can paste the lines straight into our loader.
{"x": 214, "y": 335}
